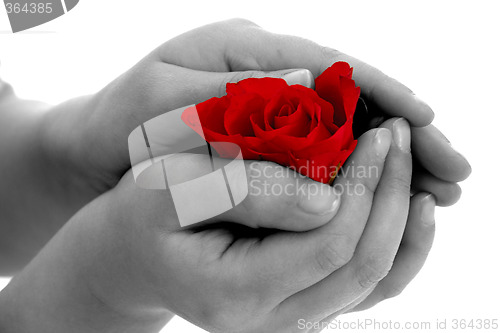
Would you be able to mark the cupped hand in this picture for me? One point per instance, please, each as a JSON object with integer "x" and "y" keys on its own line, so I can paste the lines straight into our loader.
{"x": 226, "y": 277}
{"x": 189, "y": 70}
{"x": 196, "y": 66}
{"x": 240, "y": 45}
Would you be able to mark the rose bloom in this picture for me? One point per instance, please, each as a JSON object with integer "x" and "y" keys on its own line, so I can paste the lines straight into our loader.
{"x": 307, "y": 130}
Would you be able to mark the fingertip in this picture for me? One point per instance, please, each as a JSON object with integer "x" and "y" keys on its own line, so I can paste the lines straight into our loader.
{"x": 464, "y": 172}
{"x": 438, "y": 156}
{"x": 454, "y": 192}
{"x": 446, "y": 193}
{"x": 424, "y": 115}
{"x": 319, "y": 199}
{"x": 459, "y": 172}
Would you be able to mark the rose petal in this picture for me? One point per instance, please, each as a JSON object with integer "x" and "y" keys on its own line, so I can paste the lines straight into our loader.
{"x": 294, "y": 129}
{"x": 337, "y": 142}
{"x": 328, "y": 87}
{"x": 299, "y": 118}
{"x": 350, "y": 96}
{"x": 237, "y": 116}
{"x": 211, "y": 113}
{"x": 273, "y": 108}
{"x": 321, "y": 167}
{"x": 327, "y": 112}
{"x": 285, "y": 110}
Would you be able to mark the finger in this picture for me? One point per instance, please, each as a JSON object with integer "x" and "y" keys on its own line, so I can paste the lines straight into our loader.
{"x": 280, "y": 198}
{"x": 290, "y": 262}
{"x": 432, "y": 149}
{"x": 415, "y": 247}
{"x": 175, "y": 86}
{"x": 411, "y": 256}
{"x": 445, "y": 193}
{"x": 378, "y": 245}
{"x": 241, "y": 45}
{"x": 434, "y": 152}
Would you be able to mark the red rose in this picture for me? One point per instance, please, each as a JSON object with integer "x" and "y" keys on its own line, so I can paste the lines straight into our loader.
{"x": 305, "y": 129}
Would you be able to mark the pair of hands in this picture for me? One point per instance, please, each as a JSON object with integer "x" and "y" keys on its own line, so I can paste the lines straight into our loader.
{"x": 352, "y": 251}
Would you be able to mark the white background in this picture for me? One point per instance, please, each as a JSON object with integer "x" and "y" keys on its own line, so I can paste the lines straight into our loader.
{"x": 446, "y": 51}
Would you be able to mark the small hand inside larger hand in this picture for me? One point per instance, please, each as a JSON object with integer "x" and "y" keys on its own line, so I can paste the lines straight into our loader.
{"x": 138, "y": 262}
{"x": 175, "y": 75}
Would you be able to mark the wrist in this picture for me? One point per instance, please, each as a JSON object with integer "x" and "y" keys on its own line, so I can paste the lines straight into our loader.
{"x": 57, "y": 291}
{"x": 65, "y": 152}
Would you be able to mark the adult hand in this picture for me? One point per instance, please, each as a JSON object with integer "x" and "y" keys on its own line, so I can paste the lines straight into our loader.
{"x": 240, "y": 45}
{"x": 195, "y": 66}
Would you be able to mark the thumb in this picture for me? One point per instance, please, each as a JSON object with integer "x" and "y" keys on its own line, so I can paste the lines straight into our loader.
{"x": 280, "y": 198}
{"x": 170, "y": 87}
{"x": 257, "y": 194}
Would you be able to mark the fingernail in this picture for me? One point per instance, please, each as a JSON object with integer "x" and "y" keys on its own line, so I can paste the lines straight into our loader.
{"x": 382, "y": 142}
{"x": 319, "y": 199}
{"x": 302, "y": 76}
{"x": 428, "y": 208}
{"x": 401, "y": 134}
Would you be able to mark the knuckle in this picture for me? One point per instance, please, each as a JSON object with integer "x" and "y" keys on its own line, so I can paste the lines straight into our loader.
{"x": 372, "y": 271}
{"x": 369, "y": 183}
{"x": 398, "y": 183}
{"x": 335, "y": 253}
{"x": 329, "y": 55}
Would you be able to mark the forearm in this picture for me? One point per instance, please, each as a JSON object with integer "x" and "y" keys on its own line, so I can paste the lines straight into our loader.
{"x": 56, "y": 292}
{"x": 39, "y": 191}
